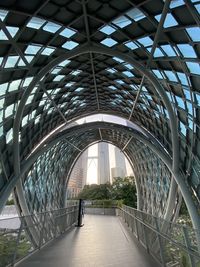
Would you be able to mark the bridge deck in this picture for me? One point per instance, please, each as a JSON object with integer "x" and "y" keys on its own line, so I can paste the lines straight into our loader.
{"x": 103, "y": 241}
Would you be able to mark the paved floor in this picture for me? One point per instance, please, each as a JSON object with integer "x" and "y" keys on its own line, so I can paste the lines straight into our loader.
{"x": 103, "y": 241}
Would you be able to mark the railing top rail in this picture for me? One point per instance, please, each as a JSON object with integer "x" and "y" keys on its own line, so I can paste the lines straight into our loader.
{"x": 38, "y": 213}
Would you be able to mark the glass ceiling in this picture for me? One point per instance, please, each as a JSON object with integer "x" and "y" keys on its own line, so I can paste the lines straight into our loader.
{"x": 96, "y": 82}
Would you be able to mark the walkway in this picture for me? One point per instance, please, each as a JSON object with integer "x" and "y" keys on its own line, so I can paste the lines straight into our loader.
{"x": 103, "y": 241}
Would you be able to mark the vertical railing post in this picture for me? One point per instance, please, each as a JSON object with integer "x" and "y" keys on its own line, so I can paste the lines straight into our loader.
{"x": 17, "y": 242}
{"x": 79, "y": 224}
{"x": 145, "y": 234}
{"x": 187, "y": 244}
{"x": 160, "y": 242}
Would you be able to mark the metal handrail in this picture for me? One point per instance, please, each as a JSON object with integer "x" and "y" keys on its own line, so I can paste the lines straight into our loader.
{"x": 16, "y": 244}
{"x": 154, "y": 235}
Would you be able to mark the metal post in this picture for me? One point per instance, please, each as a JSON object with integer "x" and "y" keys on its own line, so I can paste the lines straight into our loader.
{"x": 160, "y": 242}
{"x": 187, "y": 243}
{"x": 80, "y": 213}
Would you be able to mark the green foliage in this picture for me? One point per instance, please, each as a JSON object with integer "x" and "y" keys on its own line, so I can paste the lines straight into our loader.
{"x": 8, "y": 244}
{"x": 10, "y": 202}
{"x": 121, "y": 189}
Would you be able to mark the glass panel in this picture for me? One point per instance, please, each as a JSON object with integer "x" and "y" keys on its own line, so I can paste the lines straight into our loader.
{"x": 168, "y": 50}
{"x": 180, "y": 102}
{"x": 194, "y": 33}
{"x": 48, "y": 51}
{"x": 11, "y": 61}
{"x": 58, "y": 78}
{"x": 107, "y": 30}
{"x": 75, "y": 72}
{"x": 157, "y": 52}
{"x": 36, "y": 23}
{"x": 67, "y": 32}
{"x": 176, "y": 3}
{"x": 14, "y": 85}
{"x": 9, "y": 110}
{"x": 182, "y": 78}
{"x": 28, "y": 58}
{"x": 187, "y": 50}
{"x": 193, "y": 67}
{"x": 9, "y": 135}
{"x": 32, "y": 49}
{"x": 131, "y": 45}
{"x": 169, "y": 20}
{"x": 3, "y": 14}
{"x": 12, "y": 30}
{"x": 121, "y": 22}
{"x": 145, "y": 41}
{"x": 135, "y": 14}
{"x": 2, "y": 35}
{"x": 109, "y": 42}
{"x": 128, "y": 74}
{"x": 118, "y": 59}
{"x": 170, "y": 75}
{"x": 158, "y": 74}
{"x": 3, "y": 88}
{"x": 69, "y": 45}
{"x": 51, "y": 27}
{"x": 64, "y": 63}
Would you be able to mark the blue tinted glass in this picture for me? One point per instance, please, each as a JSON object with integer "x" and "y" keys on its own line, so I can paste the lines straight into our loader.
{"x": 12, "y": 30}
{"x": 180, "y": 102}
{"x": 36, "y": 23}
{"x": 145, "y": 41}
{"x": 157, "y": 73}
{"x": 51, "y": 27}
{"x": 198, "y": 8}
{"x": 169, "y": 20}
{"x": 131, "y": 45}
{"x": 183, "y": 128}
{"x": 129, "y": 66}
{"x": 58, "y": 78}
{"x": 3, "y": 14}
{"x": 48, "y": 51}
{"x": 171, "y": 76}
{"x": 176, "y": 3}
{"x": 187, "y": 50}
{"x": 109, "y": 42}
{"x": 194, "y": 33}
{"x": 11, "y": 61}
{"x": 193, "y": 67}
{"x": 182, "y": 78}
{"x": 69, "y": 45}
{"x": 107, "y": 30}
{"x": 187, "y": 93}
{"x": 189, "y": 107}
{"x": 118, "y": 59}
{"x": 3, "y": 36}
{"x": 135, "y": 14}
{"x": 67, "y": 33}
{"x": 157, "y": 52}
{"x": 168, "y": 50}
{"x": 128, "y": 74}
{"x": 121, "y": 22}
{"x": 32, "y": 49}
{"x": 111, "y": 70}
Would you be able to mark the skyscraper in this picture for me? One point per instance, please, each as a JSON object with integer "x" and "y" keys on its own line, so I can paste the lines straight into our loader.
{"x": 103, "y": 163}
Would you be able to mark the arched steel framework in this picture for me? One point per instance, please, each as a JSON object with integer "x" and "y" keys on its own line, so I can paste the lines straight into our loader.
{"x": 62, "y": 60}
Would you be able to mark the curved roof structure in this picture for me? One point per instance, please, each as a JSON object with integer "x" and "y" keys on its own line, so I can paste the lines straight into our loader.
{"x": 61, "y": 60}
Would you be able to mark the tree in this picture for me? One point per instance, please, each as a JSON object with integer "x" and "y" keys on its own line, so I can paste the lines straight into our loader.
{"x": 125, "y": 189}
{"x": 121, "y": 189}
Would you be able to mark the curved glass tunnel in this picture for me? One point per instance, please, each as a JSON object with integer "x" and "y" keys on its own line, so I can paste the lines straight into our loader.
{"x": 64, "y": 60}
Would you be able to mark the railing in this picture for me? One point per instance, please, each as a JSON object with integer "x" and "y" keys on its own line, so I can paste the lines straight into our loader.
{"x": 46, "y": 226}
{"x": 100, "y": 207}
{"x": 172, "y": 245}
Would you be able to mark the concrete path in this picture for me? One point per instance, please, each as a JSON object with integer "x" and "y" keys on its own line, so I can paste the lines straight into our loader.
{"x": 103, "y": 241}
